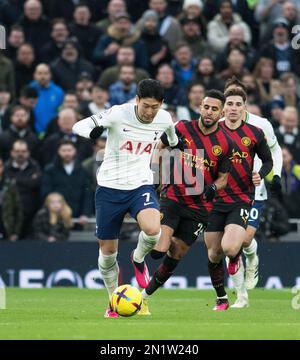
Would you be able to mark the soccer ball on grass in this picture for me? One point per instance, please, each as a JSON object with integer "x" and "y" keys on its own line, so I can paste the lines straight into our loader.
{"x": 126, "y": 300}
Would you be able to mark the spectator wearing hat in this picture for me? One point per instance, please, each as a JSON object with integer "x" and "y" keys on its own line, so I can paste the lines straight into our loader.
{"x": 59, "y": 34}
{"x": 169, "y": 27}
{"x": 125, "y": 88}
{"x": 192, "y": 9}
{"x": 120, "y": 33}
{"x": 288, "y": 133}
{"x": 86, "y": 33}
{"x": 125, "y": 56}
{"x": 218, "y": 28}
{"x": 193, "y": 36}
{"x": 279, "y": 49}
{"x": 35, "y": 25}
{"x": 69, "y": 66}
{"x": 158, "y": 48}
{"x": 50, "y": 97}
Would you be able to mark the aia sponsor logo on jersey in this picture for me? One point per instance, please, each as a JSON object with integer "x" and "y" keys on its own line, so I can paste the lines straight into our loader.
{"x": 137, "y": 149}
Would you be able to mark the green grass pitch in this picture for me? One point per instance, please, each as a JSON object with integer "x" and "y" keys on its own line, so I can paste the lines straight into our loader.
{"x": 71, "y": 313}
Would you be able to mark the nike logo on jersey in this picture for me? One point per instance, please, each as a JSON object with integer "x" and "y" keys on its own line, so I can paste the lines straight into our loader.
{"x": 148, "y": 203}
{"x": 125, "y": 130}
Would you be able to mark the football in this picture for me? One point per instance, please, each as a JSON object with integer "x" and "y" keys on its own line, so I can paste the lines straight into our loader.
{"x": 126, "y": 300}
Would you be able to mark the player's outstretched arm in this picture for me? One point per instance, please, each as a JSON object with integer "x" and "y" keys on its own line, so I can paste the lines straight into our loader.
{"x": 86, "y": 128}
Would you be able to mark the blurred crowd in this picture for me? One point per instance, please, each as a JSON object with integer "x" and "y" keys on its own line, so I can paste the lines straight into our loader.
{"x": 67, "y": 59}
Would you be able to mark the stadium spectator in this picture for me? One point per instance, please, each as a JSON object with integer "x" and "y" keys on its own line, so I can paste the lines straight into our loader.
{"x": 83, "y": 91}
{"x": 125, "y": 56}
{"x": 24, "y": 66}
{"x": 86, "y": 33}
{"x": 120, "y": 33}
{"x": 27, "y": 175}
{"x": 205, "y": 74}
{"x": 5, "y": 98}
{"x": 10, "y": 11}
{"x": 7, "y": 74}
{"x": 251, "y": 88}
{"x": 114, "y": 7}
{"x": 125, "y": 88}
{"x": 288, "y": 133}
{"x": 158, "y": 49}
{"x": 11, "y": 212}
{"x": 66, "y": 119}
{"x": 277, "y": 107}
{"x": 254, "y": 109}
{"x": 67, "y": 177}
{"x": 50, "y": 97}
{"x": 98, "y": 104}
{"x": 192, "y": 110}
{"x": 19, "y": 129}
{"x": 192, "y": 9}
{"x": 54, "y": 221}
{"x": 290, "y": 183}
{"x": 289, "y": 90}
{"x": 59, "y": 34}
{"x": 236, "y": 61}
{"x": 218, "y": 28}
{"x": 184, "y": 64}
{"x": 15, "y": 39}
{"x": 35, "y": 25}
{"x": 169, "y": 27}
{"x": 279, "y": 49}
{"x": 193, "y": 36}
{"x": 69, "y": 66}
{"x": 174, "y": 94}
{"x": 92, "y": 164}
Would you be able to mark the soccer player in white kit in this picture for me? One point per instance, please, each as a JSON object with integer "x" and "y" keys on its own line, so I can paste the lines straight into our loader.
{"x": 243, "y": 280}
{"x": 125, "y": 179}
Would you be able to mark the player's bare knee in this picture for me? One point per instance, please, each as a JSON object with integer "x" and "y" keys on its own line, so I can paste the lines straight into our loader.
{"x": 214, "y": 255}
{"x": 231, "y": 251}
{"x": 152, "y": 231}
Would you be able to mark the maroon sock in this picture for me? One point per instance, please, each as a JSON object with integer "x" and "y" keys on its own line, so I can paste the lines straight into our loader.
{"x": 216, "y": 272}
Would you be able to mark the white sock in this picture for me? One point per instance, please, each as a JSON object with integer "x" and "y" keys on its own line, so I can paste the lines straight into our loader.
{"x": 145, "y": 244}
{"x": 144, "y": 294}
{"x": 109, "y": 270}
{"x": 238, "y": 280}
{"x": 251, "y": 251}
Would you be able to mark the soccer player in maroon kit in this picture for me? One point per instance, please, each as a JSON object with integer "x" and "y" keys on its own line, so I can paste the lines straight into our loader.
{"x": 228, "y": 219}
{"x": 184, "y": 213}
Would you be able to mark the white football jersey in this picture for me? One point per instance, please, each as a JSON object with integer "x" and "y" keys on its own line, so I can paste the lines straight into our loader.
{"x": 130, "y": 144}
{"x": 267, "y": 128}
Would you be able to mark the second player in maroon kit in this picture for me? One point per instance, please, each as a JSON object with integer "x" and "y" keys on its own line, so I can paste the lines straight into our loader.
{"x": 196, "y": 176}
{"x": 231, "y": 208}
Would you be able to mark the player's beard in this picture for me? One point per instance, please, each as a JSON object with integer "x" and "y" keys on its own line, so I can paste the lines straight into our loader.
{"x": 208, "y": 126}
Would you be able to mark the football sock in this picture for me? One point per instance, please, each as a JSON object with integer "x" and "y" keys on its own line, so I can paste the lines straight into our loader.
{"x": 109, "y": 270}
{"x": 238, "y": 280}
{"x": 155, "y": 254}
{"x": 162, "y": 274}
{"x": 145, "y": 244}
{"x": 216, "y": 272}
{"x": 251, "y": 250}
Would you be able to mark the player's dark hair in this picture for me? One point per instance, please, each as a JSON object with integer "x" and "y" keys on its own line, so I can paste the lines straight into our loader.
{"x": 236, "y": 92}
{"x": 150, "y": 88}
{"x": 234, "y": 81}
{"x": 215, "y": 94}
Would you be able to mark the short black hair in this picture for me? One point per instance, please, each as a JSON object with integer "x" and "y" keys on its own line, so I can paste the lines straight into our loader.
{"x": 29, "y": 92}
{"x": 66, "y": 142}
{"x": 234, "y": 81}
{"x": 236, "y": 92}
{"x": 150, "y": 88}
{"x": 215, "y": 94}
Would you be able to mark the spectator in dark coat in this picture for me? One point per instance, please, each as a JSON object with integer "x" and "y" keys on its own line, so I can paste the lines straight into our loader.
{"x": 125, "y": 88}
{"x": 52, "y": 49}
{"x": 69, "y": 66}
{"x": 86, "y": 33}
{"x": 5, "y": 98}
{"x": 205, "y": 75}
{"x": 15, "y": 39}
{"x": 27, "y": 175}
{"x": 7, "y": 74}
{"x": 66, "y": 120}
{"x": 24, "y": 66}
{"x": 36, "y": 26}
{"x": 19, "y": 129}
{"x": 54, "y": 220}
{"x": 67, "y": 177}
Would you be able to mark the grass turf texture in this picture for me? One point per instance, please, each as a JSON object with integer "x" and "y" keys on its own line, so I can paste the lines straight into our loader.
{"x": 71, "y": 313}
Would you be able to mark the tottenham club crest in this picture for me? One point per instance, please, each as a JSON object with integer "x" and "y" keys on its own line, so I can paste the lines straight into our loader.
{"x": 246, "y": 141}
{"x": 217, "y": 150}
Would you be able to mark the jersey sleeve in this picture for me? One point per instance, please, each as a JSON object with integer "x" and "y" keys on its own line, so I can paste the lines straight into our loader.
{"x": 269, "y": 134}
{"x": 104, "y": 119}
{"x": 264, "y": 153}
